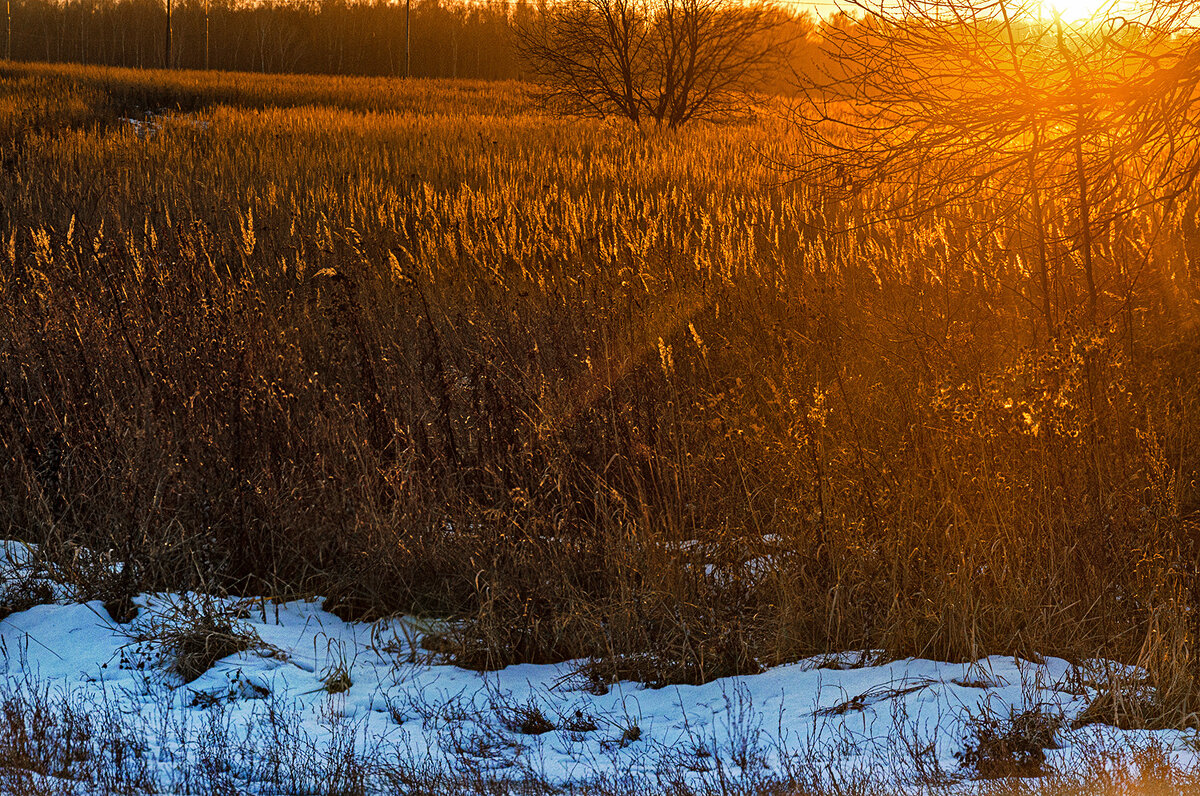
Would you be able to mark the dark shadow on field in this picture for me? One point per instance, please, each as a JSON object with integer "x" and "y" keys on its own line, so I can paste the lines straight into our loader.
{"x": 109, "y": 93}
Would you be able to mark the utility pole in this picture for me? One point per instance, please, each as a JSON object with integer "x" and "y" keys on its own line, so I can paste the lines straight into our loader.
{"x": 8, "y": 31}
{"x": 407, "y": 40}
{"x": 167, "y": 53}
{"x": 206, "y": 49}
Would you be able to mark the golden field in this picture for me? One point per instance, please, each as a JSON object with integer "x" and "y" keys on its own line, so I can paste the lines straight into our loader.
{"x": 586, "y": 390}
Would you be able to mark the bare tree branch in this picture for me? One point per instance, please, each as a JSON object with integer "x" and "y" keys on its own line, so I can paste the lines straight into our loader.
{"x": 671, "y": 60}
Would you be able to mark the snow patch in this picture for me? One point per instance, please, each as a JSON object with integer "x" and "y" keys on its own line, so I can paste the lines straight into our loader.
{"x": 840, "y": 717}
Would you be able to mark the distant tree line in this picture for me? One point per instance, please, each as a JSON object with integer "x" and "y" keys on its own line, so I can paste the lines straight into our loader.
{"x": 363, "y": 37}
{"x": 321, "y": 36}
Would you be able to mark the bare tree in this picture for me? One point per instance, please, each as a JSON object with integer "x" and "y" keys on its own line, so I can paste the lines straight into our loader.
{"x": 711, "y": 53}
{"x": 667, "y": 60}
{"x": 590, "y": 56}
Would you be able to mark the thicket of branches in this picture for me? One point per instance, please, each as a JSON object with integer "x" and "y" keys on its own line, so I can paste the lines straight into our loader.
{"x": 1078, "y": 137}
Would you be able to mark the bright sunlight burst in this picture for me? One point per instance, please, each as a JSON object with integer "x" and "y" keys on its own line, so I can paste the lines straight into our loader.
{"x": 1078, "y": 11}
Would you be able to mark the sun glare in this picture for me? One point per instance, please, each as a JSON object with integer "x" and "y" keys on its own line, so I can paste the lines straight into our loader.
{"x": 1072, "y": 10}
{"x": 1075, "y": 11}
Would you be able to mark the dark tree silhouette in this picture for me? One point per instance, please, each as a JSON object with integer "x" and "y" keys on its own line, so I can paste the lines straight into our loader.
{"x": 669, "y": 60}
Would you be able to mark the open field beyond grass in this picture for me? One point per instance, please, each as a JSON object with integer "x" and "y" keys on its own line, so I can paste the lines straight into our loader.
{"x": 577, "y": 391}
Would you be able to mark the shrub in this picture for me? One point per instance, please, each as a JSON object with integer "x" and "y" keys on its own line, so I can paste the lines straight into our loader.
{"x": 190, "y": 637}
{"x": 1009, "y": 746}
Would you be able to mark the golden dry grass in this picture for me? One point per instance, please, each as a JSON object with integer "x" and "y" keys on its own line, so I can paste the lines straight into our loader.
{"x": 597, "y": 392}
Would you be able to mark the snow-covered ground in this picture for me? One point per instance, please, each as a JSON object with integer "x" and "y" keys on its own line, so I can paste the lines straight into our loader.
{"x": 330, "y": 691}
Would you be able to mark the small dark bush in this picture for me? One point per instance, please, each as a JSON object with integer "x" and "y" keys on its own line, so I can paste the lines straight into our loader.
{"x": 1012, "y": 746}
{"x": 192, "y": 638}
{"x": 527, "y": 719}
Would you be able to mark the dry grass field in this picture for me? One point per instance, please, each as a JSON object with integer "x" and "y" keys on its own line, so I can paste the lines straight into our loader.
{"x": 589, "y": 391}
